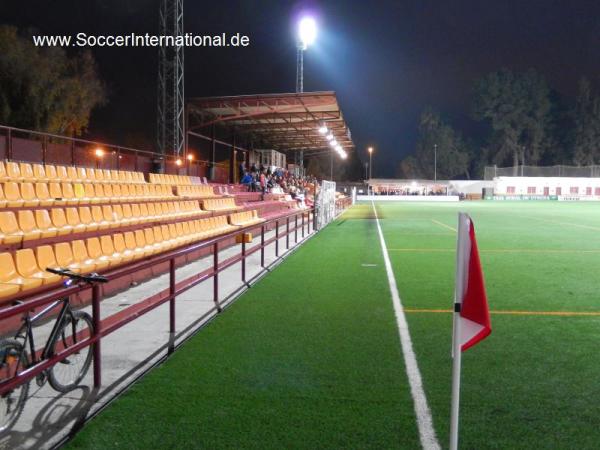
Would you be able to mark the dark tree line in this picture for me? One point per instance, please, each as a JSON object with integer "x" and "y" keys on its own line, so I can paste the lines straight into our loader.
{"x": 44, "y": 88}
{"x": 526, "y": 122}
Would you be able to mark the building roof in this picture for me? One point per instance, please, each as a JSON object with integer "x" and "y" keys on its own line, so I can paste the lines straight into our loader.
{"x": 283, "y": 122}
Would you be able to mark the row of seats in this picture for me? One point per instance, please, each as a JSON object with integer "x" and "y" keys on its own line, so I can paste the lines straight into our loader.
{"x": 26, "y": 270}
{"x": 182, "y": 180}
{"x": 29, "y": 225}
{"x": 13, "y": 171}
{"x": 199, "y": 191}
{"x": 220, "y": 204}
{"x": 28, "y": 194}
{"x": 245, "y": 218}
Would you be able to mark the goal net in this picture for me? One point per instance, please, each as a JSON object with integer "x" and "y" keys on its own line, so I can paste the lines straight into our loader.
{"x": 325, "y": 205}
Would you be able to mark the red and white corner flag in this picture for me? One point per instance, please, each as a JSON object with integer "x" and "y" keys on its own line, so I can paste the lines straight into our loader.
{"x": 471, "y": 313}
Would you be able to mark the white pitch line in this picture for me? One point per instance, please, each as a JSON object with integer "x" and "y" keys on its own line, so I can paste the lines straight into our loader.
{"x": 424, "y": 421}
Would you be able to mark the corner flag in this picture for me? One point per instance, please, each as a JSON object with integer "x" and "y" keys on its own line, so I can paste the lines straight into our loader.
{"x": 471, "y": 313}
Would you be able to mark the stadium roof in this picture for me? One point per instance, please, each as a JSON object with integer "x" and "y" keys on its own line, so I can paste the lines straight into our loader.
{"x": 284, "y": 122}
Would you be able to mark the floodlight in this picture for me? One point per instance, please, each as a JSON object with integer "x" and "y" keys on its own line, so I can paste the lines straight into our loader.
{"x": 323, "y": 129}
{"x": 370, "y": 149}
{"x": 178, "y": 162}
{"x": 99, "y": 152}
{"x": 190, "y": 157}
{"x": 307, "y": 32}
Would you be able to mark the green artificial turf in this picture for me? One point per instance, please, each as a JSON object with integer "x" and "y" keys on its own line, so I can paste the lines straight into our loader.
{"x": 310, "y": 356}
{"x": 534, "y": 381}
{"x": 307, "y": 358}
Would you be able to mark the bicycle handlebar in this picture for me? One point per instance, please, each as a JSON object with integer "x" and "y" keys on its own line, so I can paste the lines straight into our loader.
{"x": 91, "y": 278}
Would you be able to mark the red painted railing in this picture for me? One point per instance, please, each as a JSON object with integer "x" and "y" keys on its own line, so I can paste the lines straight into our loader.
{"x": 293, "y": 223}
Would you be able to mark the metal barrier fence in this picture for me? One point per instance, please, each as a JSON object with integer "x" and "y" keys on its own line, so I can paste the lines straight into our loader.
{"x": 325, "y": 204}
{"x": 298, "y": 222}
{"x": 491, "y": 172}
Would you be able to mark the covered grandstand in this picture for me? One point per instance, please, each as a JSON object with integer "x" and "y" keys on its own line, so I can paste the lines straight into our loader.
{"x": 94, "y": 207}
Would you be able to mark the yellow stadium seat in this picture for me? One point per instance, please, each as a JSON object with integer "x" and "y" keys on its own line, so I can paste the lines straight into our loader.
{"x": 61, "y": 174}
{"x": 9, "y": 228}
{"x": 68, "y": 194}
{"x": 144, "y": 214}
{"x": 10, "y": 276}
{"x": 95, "y": 252}
{"x": 13, "y": 195}
{"x": 99, "y": 190}
{"x": 72, "y": 174}
{"x": 137, "y": 213}
{"x": 26, "y": 171}
{"x": 28, "y": 225}
{"x": 140, "y": 241}
{"x": 27, "y": 267}
{"x": 128, "y": 217}
{"x": 28, "y": 195}
{"x": 13, "y": 171}
{"x": 82, "y": 258}
{"x": 2, "y": 198}
{"x": 149, "y": 236}
{"x": 108, "y": 192}
{"x": 44, "y": 224}
{"x": 121, "y": 248}
{"x": 39, "y": 173}
{"x": 98, "y": 175}
{"x": 79, "y": 191}
{"x": 110, "y": 216}
{"x": 131, "y": 244}
{"x": 42, "y": 194}
{"x": 108, "y": 250}
{"x": 72, "y": 215}
{"x": 85, "y": 217}
{"x": 59, "y": 220}
{"x": 107, "y": 176}
{"x": 82, "y": 174}
{"x": 45, "y": 257}
{"x": 98, "y": 217}
{"x": 89, "y": 194}
{"x": 3, "y": 174}
{"x": 116, "y": 193}
{"x": 50, "y": 172}
{"x": 56, "y": 194}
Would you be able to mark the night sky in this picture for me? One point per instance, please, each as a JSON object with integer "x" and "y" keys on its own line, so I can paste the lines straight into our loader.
{"x": 387, "y": 60}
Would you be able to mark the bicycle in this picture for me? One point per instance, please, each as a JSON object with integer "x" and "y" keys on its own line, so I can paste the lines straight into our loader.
{"x": 69, "y": 328}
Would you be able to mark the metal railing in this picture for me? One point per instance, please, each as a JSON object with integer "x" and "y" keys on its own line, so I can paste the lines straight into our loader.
{"x": 295, "y": 222}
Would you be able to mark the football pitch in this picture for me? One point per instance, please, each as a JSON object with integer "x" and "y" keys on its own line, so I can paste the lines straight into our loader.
{"x": 310, "y": 356}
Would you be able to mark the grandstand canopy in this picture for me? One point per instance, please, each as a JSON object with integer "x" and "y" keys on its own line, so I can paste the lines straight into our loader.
{"x": 283, "y": 122}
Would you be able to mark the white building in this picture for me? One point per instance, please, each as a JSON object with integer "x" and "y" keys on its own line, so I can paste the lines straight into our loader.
{"x": 561, "y": 187}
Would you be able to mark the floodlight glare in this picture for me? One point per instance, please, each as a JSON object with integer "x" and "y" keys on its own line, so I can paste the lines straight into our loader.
{"x": 333, "y": 143}
{"x": 329, "y": 137}
{"x": 178, "y": 162}
{"x": 99, "y": 152}
{"x": 323, "y": 129}
{"x": 307, "y": 32}
{"x": 190, "y": 157}
{"x": 344, "y": 155}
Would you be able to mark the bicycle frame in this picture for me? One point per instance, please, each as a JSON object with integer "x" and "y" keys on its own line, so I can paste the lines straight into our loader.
{"x": 26, "y": 330}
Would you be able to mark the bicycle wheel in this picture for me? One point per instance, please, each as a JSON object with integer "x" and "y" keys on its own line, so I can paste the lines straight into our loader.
{"x": 66, "y": 374}
{"x": 13, "y": 360}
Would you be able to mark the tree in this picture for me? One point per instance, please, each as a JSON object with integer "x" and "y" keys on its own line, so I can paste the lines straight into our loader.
{"x": 452, "y": 152}
{"x": 586, "y": 117}
{"x": 519, "y": 110}
{"x": 43, "y": 88}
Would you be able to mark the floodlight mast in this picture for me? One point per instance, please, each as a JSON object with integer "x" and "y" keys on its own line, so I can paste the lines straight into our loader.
{"x": 307, "y": 32}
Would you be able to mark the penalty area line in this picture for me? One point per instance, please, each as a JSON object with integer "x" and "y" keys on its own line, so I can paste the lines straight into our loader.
{"x": 424, "y": 421}
{"x": 514, "y": 313}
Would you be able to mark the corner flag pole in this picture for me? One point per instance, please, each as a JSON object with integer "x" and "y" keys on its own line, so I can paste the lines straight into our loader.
{"x": 461, "y": 246}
